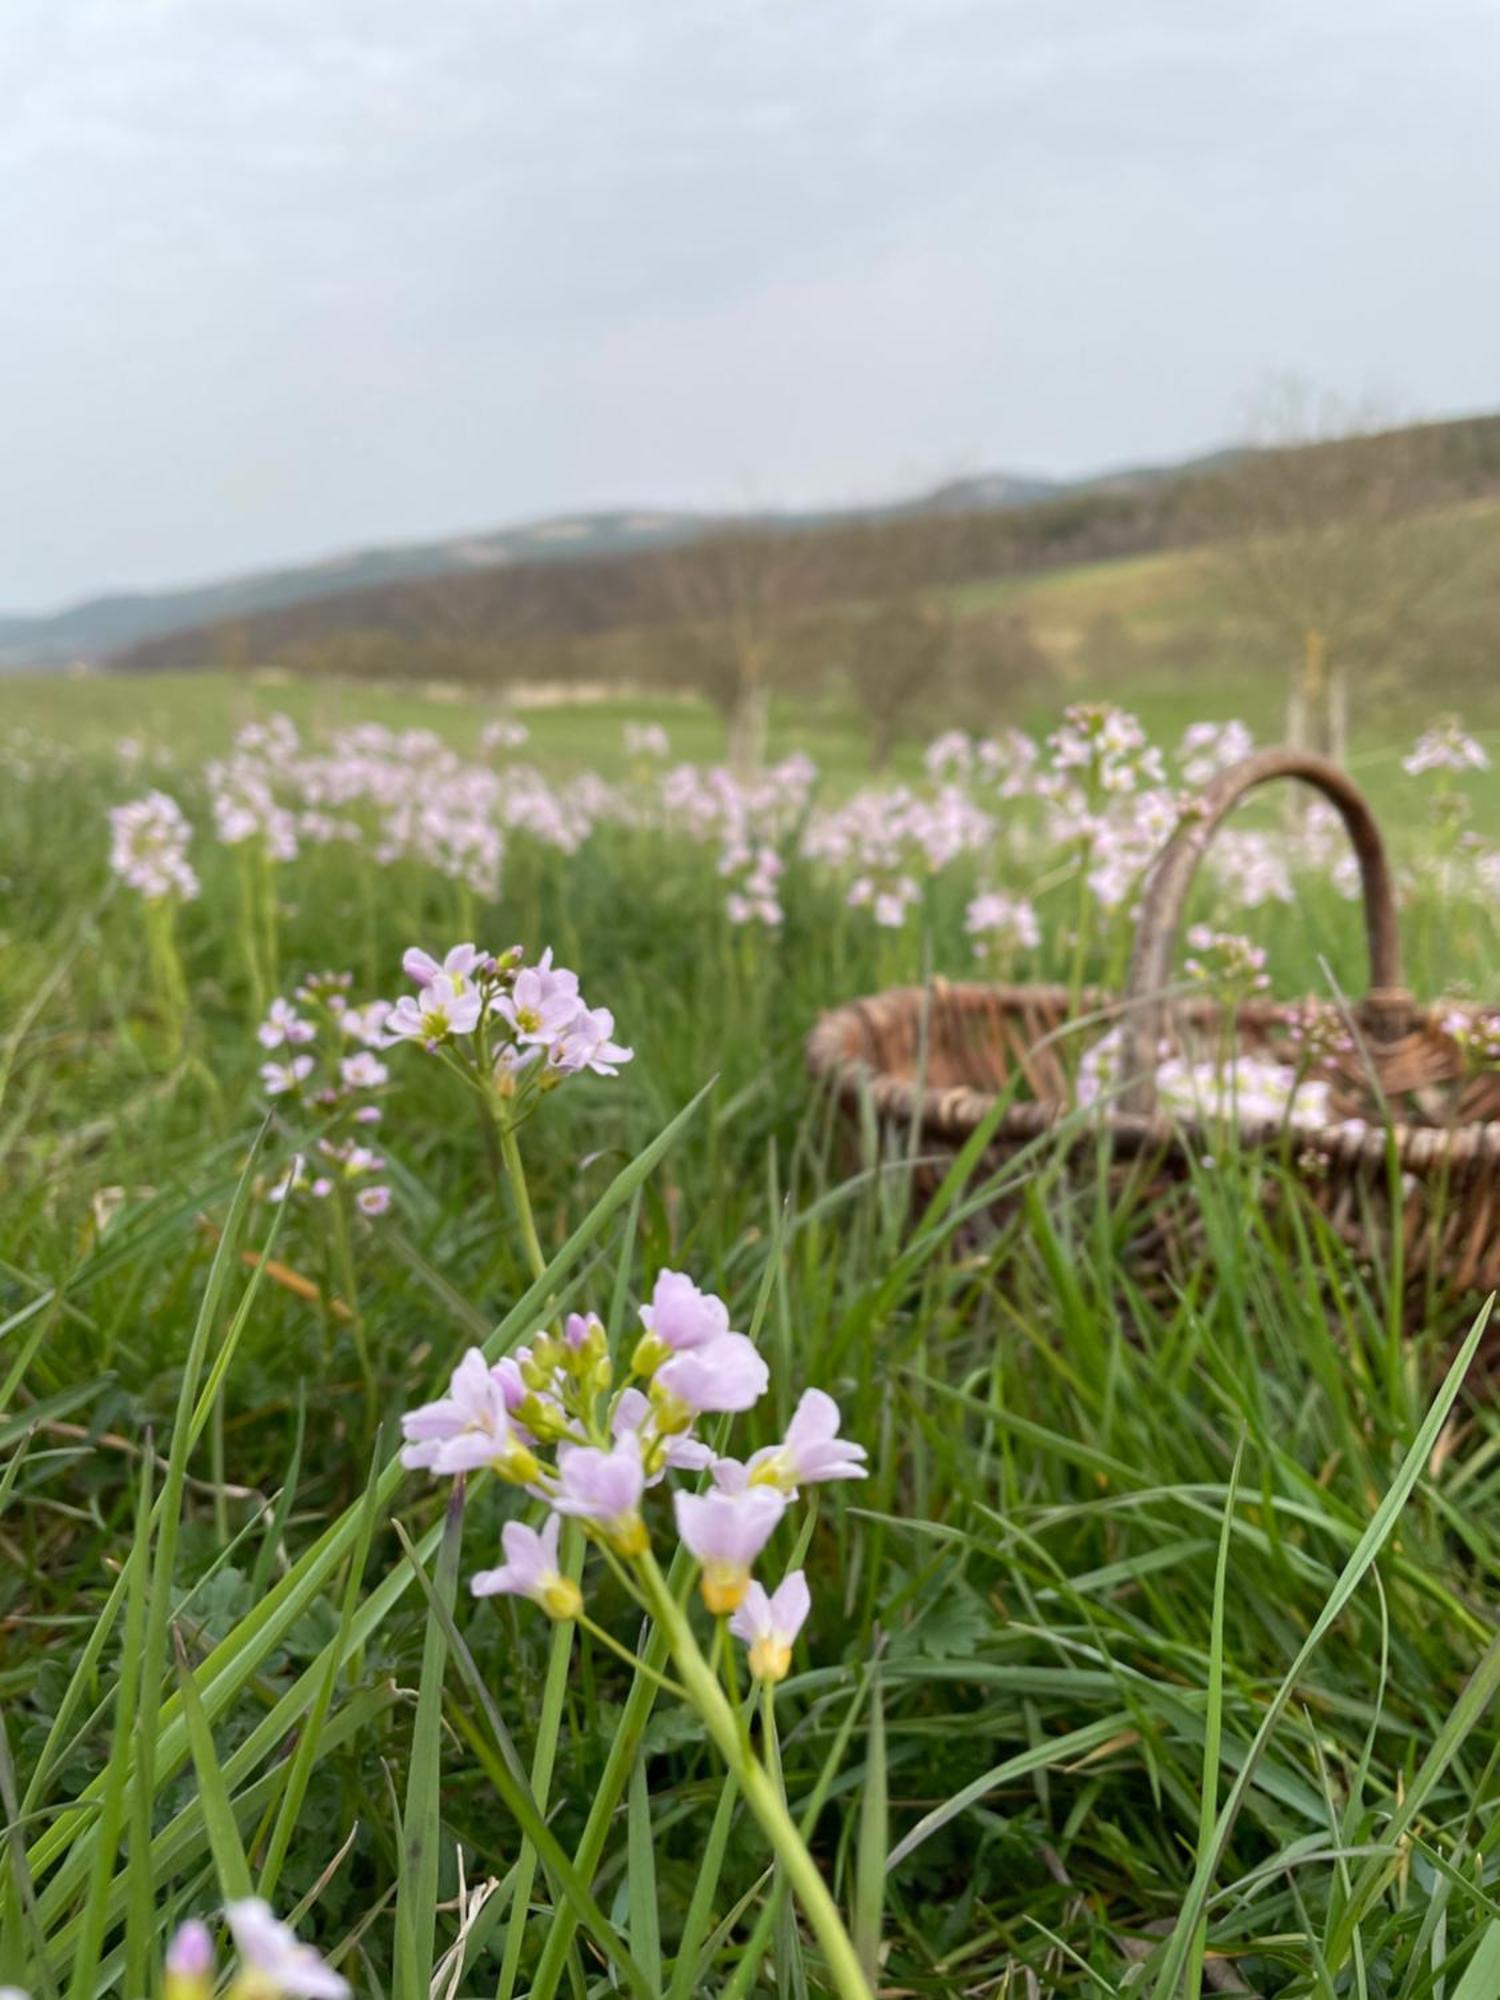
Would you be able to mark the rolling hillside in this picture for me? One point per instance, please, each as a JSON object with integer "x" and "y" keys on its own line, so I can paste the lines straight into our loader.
{"x": 100, "y": 627}
{"x": 431, "y": 608}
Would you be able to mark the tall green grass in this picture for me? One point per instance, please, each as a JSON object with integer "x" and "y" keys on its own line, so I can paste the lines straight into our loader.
{"x": 1158, "y": 1647}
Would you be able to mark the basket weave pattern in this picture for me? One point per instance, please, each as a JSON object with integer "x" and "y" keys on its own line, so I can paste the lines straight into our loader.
{"x": 934, "y": 1060}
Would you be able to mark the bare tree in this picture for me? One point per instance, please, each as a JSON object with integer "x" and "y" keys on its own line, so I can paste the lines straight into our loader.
{"x": 737, "y": 606}
{"x": 897, "y": 657}
{"x": 1330, "y": 549}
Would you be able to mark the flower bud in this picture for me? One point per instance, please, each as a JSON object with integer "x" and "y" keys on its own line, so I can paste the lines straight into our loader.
{"x": 520, "y": 1466}
{"x": 189, "y": 1971}
{"x": 649, "y": 1355}
{"x": 542, "y": 1418}
{"x": 672, "y": 1414}
{"x": 535, "y": 1372}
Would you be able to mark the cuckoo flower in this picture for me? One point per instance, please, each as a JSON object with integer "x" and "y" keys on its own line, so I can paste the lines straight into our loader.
{"x": 283, "y": 1024}
{"x": 586, "y": 1043}
{"x": 680, "y": 1315}
{"x": 363, "y": 1071}
{"x": 726, "y": 1532}
{"x": 727, "y": 1374}
{"x": 530, "y": 1570}
{"x": 812, "y": 1451}
{"x": 604, "y": 1488}
{"x": 445, "y": 1007}
{"x": 659, "y": 1454}
{"x": 280, "y": 1079}
{"x": 148, "y": 848}
{"x": 769, "y": 1625}
{"x": 469, "y": 1427}
{"x": 274, "y": 1966}
{"x": 543, "y": 1003}
{"x": 459, "y": 964}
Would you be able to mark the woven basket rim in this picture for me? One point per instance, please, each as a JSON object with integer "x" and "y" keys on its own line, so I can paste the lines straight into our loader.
{"x": 954, "y": 1112}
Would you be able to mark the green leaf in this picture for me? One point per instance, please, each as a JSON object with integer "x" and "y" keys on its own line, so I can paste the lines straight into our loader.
{"x": 218, "y": 1815}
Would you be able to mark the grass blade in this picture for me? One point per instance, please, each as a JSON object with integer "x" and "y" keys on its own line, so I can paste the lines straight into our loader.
{"x": 1382, "y": 1525}
{"x": 874, "y": 1836}
{"x": 224, "y": 1841}
{"x": 421, "y": 1814}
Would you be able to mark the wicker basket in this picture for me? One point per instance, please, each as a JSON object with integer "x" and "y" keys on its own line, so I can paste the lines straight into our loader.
{"x": 933, "y": 1059}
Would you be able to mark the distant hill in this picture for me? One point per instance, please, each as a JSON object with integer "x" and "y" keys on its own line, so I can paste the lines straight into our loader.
{"x": 580, "y": 576}
{"x": 100, "y": 627}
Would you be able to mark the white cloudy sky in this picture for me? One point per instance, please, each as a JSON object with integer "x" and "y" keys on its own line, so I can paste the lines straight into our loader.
{"x": 280, "y": 276}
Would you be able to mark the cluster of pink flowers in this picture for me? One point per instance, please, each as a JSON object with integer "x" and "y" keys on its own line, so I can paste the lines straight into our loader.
{"x": 499, "y": 738}
{"x": 402, "y": 795}
{"x": 521, "y": 1026}
{"x": 1004, "y": 764}
{"x": 148, "y": 848}
{"x": 646, "y": 739}
{"x": 1106, "y": 745}
{"x": 551, "y": 1420}
{"x": 1210, "y": 747}
{"x": 1476, "y": 1031}
{"x": 324, "y": 1056}
{"x": 888, "y": 843}
{"x": 1445, "y": 747}
{"x": 753, "y": 874}
{"x": 751, "y": 822}
{"x": 1225, "y": 961}
{"x": 1243, "y": 1088}
{"x": 1001, "y": 926}
{"x": 1098, "y": 796}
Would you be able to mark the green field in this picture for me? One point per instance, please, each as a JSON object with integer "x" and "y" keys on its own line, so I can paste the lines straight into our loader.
{"x": 1158, "y": 1646}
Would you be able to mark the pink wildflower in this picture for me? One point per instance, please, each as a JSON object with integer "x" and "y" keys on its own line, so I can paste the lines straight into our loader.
{"x": 467, "y": 1428}
{"x": 445, "y": 1007}
{"x": 279, "y": 1967}
{"x": 530, "y": 1570}
{"x": 811, "y": 1452}
{"x": 769, "y": 1625}
{"x": 605, "y": 1488}
{"x": 726, "y": 1532}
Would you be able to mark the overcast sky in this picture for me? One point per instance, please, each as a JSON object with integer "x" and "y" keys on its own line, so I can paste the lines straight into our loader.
{"x": 279, "y": 277}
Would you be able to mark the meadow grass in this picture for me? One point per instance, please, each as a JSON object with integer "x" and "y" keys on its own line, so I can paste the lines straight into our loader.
{"x": 1158, "y": 1650}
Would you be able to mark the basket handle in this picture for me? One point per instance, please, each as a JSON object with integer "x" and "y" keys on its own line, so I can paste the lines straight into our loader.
{"x": 1386, "y": 1010}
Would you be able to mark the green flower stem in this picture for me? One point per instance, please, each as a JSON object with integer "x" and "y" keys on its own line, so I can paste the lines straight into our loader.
{"x": 631, "y": 1660}
{"x": 543, "y": 1760}
{"x": 343, "y": 1247}
{"x": 265, "y": 870}
{"x": 516, "y": 1174}
{"x": 249, "y": 927}
{"x": 166, "y": 965}
{"x": 761, "y": 1795}
{"x": 1082, "y": 911}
